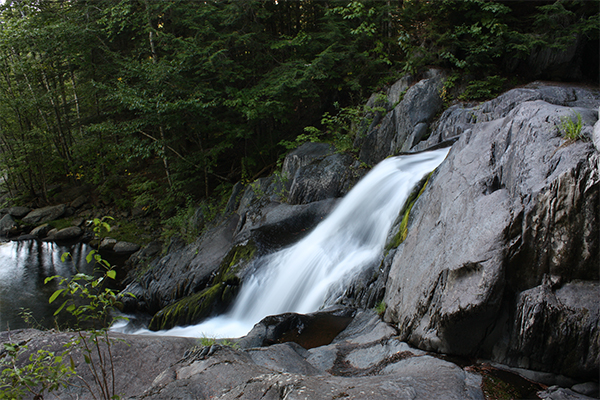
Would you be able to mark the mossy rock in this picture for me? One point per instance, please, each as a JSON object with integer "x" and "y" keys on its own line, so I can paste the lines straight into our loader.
{"x": 213, "y": 299}
{"x": 237, "y": 257}
{"x": 189, "y": 310}
{"x": 400, "y": 236}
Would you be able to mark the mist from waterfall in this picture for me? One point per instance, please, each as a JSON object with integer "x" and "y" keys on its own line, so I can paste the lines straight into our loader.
{"x": 315, "y": 271}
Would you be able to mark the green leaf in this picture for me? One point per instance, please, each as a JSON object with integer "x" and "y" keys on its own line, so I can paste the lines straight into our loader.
{"x": 60, "y": 308}
{"x": 64, "y": 256}
{"x": 55, "y": 295}
{"x": 90, "y": 255}
{"x": 87, "y": 359}
{"x": 48, "y": 279}
{"x": 112, "y": 274}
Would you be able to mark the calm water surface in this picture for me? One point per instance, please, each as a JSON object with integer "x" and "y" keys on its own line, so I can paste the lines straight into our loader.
{"x": 24, "y": 266}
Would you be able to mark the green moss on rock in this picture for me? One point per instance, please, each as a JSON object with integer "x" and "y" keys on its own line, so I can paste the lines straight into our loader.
{"x": 405, "y": 212}
{"x": 213, "y": 299}
{"x": 188, "y": 310}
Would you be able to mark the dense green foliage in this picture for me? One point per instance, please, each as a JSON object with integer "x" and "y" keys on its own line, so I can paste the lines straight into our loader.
{"x": 160, "y": 103}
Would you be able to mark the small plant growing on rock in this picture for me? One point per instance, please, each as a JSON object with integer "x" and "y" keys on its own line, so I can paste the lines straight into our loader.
{"x": 380, "y": 308}
{"x": 571, "y": 130}
{"x": 44, "y": 373}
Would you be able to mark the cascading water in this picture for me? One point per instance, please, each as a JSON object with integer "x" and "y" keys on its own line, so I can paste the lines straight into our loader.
{"x": 301, "y": 277}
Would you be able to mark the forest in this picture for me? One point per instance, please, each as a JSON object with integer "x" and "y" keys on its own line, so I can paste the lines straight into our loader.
{"x": 165, "y": 105}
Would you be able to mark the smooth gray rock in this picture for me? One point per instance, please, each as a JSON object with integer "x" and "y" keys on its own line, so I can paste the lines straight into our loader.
{"x": 402, "y": 127}
{"x": 181, "y": 273}
{"x": 274, "y": 225}
{"x": 366, "y": 327}
{"x": 460, "y": 118}
{"x": 303, "y": 156}
{"x": 7, "y": 223}
{"x": 558, "y": 393}
{"x": 315, "y": 172}
{"x": 79, "y": 201}
{"x": 287, "y": 357}
{"x": 512, "y": 203}
{"x": 40, "y": 231}
{"x": 46, "y": 214}
{"x": 125, "y": 247}
{"x": 107, "y": 243}
{"x": 587, "y": 389}
{"x": 69, "y": 233}
{"x": 18, "y": 211}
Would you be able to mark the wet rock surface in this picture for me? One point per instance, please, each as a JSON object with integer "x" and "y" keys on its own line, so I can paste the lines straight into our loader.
{"x": 514, "y": 206}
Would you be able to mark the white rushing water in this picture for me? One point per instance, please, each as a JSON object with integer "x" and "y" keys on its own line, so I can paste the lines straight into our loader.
{"x": 315, "y": 271}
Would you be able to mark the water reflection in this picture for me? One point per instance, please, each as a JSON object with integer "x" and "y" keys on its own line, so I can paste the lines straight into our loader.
{"x": 24, "y": 265}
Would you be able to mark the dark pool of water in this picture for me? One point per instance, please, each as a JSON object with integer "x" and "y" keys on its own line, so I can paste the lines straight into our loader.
{"x": 24, "y": 265}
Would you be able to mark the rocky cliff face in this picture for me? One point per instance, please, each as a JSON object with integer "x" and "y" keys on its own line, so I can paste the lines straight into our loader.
{"x": 502, "y": 248}
{"x": 501, "y": 256}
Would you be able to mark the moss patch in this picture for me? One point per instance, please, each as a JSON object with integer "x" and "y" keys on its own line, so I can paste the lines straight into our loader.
{"x": 234, "y": 260}
{"x": 188, "y": 310}
{"x": 213, "y": 299}
{"x": 61, "y": 223}
{"x": 405, "y": 212}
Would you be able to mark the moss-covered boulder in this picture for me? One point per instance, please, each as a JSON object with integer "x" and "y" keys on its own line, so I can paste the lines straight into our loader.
{"x": 212, "y": 300}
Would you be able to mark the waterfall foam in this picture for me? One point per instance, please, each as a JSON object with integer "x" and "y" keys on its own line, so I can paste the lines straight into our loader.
{"x": 300, "y": 278}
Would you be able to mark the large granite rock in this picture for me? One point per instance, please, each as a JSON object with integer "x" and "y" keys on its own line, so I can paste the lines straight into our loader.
{"x": 459, "y": 118}
{"x": 413, "y": 109}
{"x": 7, "y": 224}
{"x": 69, "y": 233}
{"x": 45, "y": 214}
{"x": 315, "y": 172}
{"x": 514, "y": 206}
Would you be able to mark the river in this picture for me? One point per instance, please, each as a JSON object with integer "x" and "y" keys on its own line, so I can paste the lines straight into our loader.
{"x": 24, "y": 265}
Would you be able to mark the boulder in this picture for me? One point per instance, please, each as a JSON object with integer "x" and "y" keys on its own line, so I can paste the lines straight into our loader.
{"x": 46, "y": 214}
{"x": 7, "y": 224}
{"x": 107, "y": 243}
{"x": 568, "y": 309}
{"x": 18, "y": 211}
{"x": 122, "y": 247}
{"x": 79, "y": 201}
{"x": 303, "y": 156}
{"x": 72, "y": 232}
{"x": 275, "y": 225}
{"x": 326, "y": 178}
{"x": 460, "y": 118}
{"x": 315, "y": 172}
{"x": 407, "y": 123}
{"x": 514, "y": 205}
{"x": 40, "y": 231}
{"x": 308, "y": 330}
{"x": 183, "y": 272}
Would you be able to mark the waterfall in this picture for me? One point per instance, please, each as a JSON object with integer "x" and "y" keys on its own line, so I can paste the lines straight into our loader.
{"x": 314, "y": 271}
